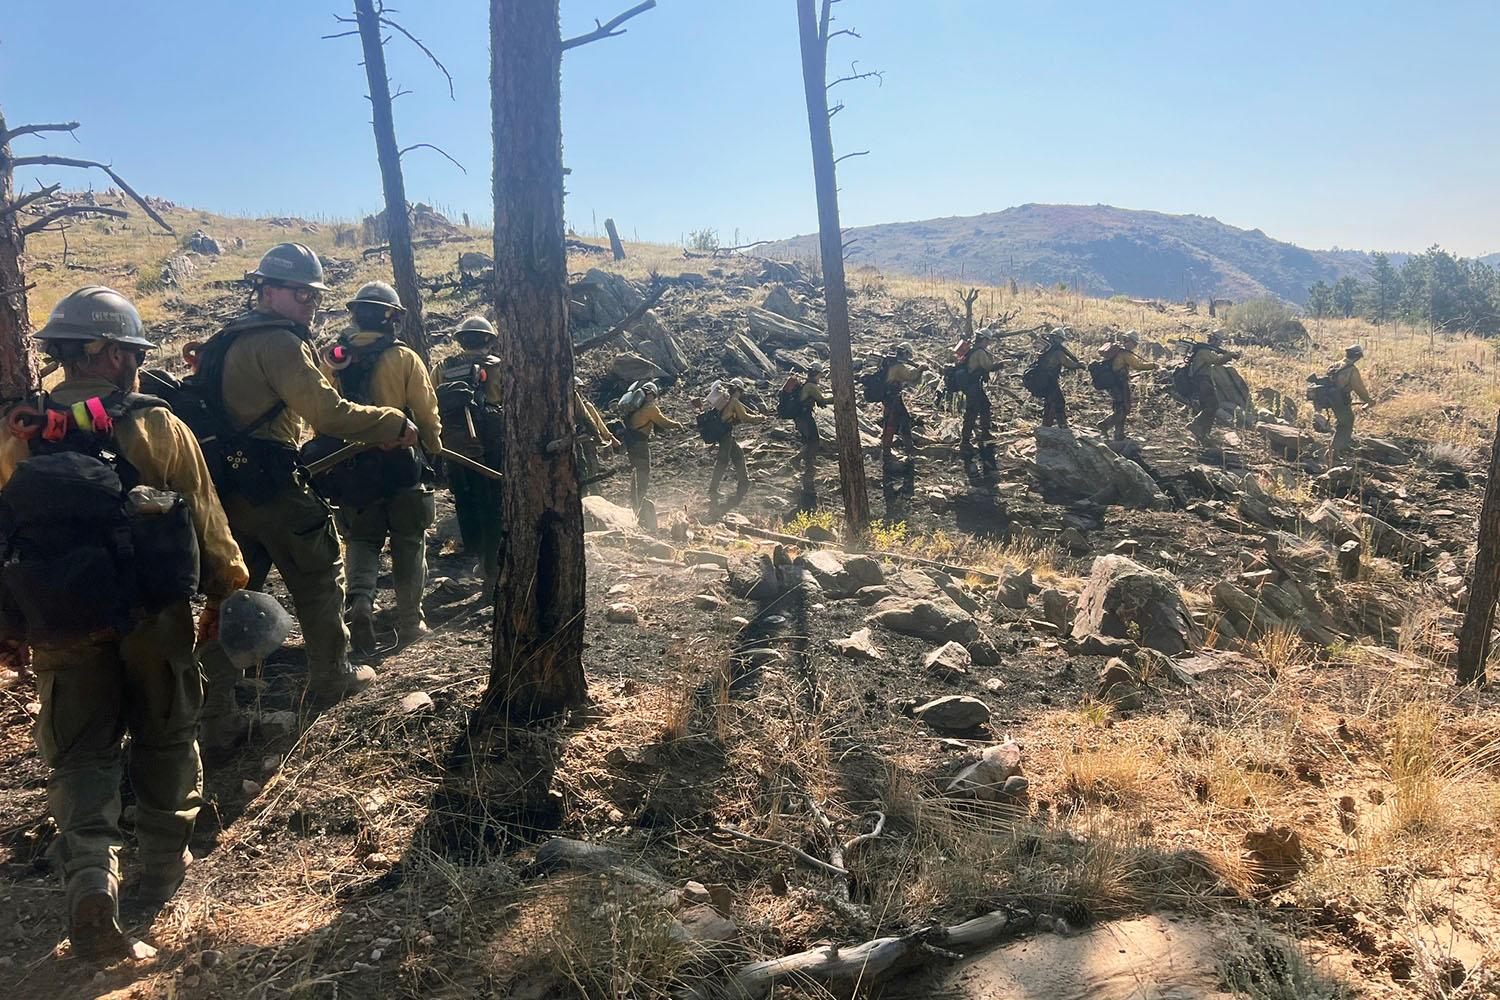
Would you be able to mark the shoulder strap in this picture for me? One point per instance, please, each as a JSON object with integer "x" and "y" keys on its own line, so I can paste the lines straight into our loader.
{"x": 210, "y": 374}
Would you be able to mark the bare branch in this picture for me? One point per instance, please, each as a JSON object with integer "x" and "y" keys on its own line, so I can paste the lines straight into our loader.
{"x": 418, "y": 43}
{"x": 341, "y": 34}
{"x": 67, "y": 210}
{"x": 850, "y": 845}
{"x": 855, "y": 74}
{"x": 399, "y": 93}
{"x": 817, "y": 863}
{"x": 18, "y": 289}
{"x": 609, "y": 28}
{"x": 21, "y": 130}
{"x": 428, "y": 145}
{"x": 842, "y": 31}
{"x": 64, "y": 161}
{"x": 862, "y": 152}
{"x": 22, "y": 202}
{"x": 835, "y": 110}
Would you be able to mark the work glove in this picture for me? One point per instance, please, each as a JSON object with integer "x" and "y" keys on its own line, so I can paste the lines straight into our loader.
{"x": 407, "y": 439}
{"x": 208, "y": 623}
{"x": 15, "y": 653}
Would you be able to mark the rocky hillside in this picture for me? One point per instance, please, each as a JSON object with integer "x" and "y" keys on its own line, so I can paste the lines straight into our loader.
{"x": 1099, "y": 250}
{"x": 1075, "y": 721}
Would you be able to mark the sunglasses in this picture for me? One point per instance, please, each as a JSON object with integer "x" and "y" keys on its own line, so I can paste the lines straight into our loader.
{"x": 303, "y": 296}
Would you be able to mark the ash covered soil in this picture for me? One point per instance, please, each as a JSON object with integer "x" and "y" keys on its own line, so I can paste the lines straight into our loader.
{"x": 1168, "y": 726}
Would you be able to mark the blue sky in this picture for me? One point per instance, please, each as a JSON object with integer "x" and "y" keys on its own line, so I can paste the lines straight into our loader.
{"x": 1372, "y": 125}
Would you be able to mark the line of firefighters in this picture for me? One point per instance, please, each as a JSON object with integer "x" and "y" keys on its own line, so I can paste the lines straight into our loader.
{"x": 203, "y": 485}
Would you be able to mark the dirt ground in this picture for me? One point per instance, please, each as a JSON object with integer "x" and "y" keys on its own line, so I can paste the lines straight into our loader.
{"x": 381, "y": 849}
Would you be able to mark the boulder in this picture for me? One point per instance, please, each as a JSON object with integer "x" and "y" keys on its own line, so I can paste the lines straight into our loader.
{"x": 1083, "y": 466}
{"x": 743, "y": 357}
{"x": 983, "y": 652}
{"x": 1120, "y": 686}
{"x": 924, "y": 619}
{"x": 632, "y": 367}
{"x": 769, "y": 328}
{"x": 601, "y": 515}
{"x": 1285, "y": 440}
{"x": 779, "y": 301}
{"x": 607, "y": 298}
{"x": 872, "y": 595}
{"x": 1058, "y": 608}
{"x": 1382, "y": 451}
{"x": 201, "y": 242}
{"x": 622, "y": 614}
{"x": 1016, "y": 589}
{"x": 949, "y": 660}
{"x": 953, "y": 713}
{"x": 859, "y": 646}
{"x": 986, "y": 778}
{"x": 828, "y": 566}
{"x": 1126, "y": 600}
{"x": 865, "y": 571}
{"x": 472, "y": 261}
{"x": 177, "y": 270}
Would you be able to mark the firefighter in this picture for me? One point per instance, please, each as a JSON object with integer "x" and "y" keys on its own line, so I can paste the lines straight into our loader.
{"x": 140, "y": 678}
{"x": 393, "y": 497}
{"x": 1123, "y": 361}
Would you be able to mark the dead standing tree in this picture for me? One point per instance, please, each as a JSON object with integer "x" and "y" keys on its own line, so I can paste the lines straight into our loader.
{"x": 537, "y": 662}
{"x": 20, "y": 217}
{"x": 814, "y": 32}
{"x": 370, "y": 19}
{"x": 1484, "y": 590}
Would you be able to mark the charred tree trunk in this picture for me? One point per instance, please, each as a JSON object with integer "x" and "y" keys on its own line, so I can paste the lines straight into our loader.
{"x": 397, "y": 221}
{"x": 18, "y": 371}
{"x": 615, "y": 246}
{"x": 1484, "y": 590}
{"x": 537, "y": 667}
{"x": 831, "y": 247}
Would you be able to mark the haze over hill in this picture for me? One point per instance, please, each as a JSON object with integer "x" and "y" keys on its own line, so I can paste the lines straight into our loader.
{"x": 1099, "y": 249}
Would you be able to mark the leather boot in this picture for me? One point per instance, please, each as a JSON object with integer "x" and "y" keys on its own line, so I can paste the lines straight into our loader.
{"x": 93, "y": 898}
{"x": 361, "y": 627}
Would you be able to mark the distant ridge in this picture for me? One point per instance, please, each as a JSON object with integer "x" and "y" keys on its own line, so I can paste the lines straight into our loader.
{"x": 1100, "y": 250}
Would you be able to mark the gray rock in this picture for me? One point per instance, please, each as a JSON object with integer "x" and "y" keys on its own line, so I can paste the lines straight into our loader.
{"x": 779, "y": 301}
{"x": 989, "y": 778}
{"x": 1084, "y": 466}
{"x": 703, "y": 924}
{"x": 601, "y": 515}
{"x": 1119, "y": 685}
{"x": 176, "y": 270}
{"x": 473, "y": 261}
{"x": 983, "y": 652}
{"x": 1016, "y": 589}
{"x": 631, "y": 367}
{"x": 416, "y": 701}
{"x": 1058, "y": 608}
{"x": 859, "y": 646}
{"x": 954, "y": 712}
{"x": 708, "y": 602}
{"x": 948, "y": 660}
{"x": 768, "y": 327}
{"x": 1382, "y": 451}
{"x": 828, "y": 567}
{"x": 924, "y": 619}
{"x": 622, "y": 614}
{"x": 201, "y": 242}
{"x": 872, "y": 595}
{"x": 866, "y": 571}
{"x": 1126, "y": 600}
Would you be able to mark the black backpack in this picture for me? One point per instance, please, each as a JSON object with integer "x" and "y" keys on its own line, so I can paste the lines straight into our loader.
{"x": 1102, "y": 374}
{"x": 80, "y": 555}
{"x": 789, "y": 405}
{"x": 255, "y": 468}
{"x": 873, "y": 382}
{"x": 1036, "y": 380}
{"x": 472, "y": 425}
{"x": 712, "y": 427}
{"x": 370, "y": 475}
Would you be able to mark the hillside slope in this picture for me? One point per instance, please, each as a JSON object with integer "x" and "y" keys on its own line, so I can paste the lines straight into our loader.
{"x": 1098, "y": 249}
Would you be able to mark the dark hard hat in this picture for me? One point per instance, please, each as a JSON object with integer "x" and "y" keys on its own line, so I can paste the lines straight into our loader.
{"x": 903, "y": 350}
{"x": 252, "y": 626}
{"x": 290, "y": 264}
{"x": 95, "y": 313}
{"x": 377, "y": 293}
{"x": 476, "y": 324}
{"x": 1354, "y": 351}
{"x": 816, "y": 368}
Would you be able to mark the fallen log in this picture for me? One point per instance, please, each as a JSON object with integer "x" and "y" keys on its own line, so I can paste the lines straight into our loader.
{"x": 562, "y": 852}
{"x": 873, "y": 961}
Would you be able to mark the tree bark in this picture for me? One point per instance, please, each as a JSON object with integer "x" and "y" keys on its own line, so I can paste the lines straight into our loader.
{"x": 831, "y": 248}
{"x": 1484, "y": 590}
{"x": 615, "y": 246}
{"x": 18, "y": 370}
{"x": 537, "y": 666}
{"x": 397, "y": 221}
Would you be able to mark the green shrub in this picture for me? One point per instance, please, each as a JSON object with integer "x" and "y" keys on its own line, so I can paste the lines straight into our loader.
{"x": 1257, "y": 319}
